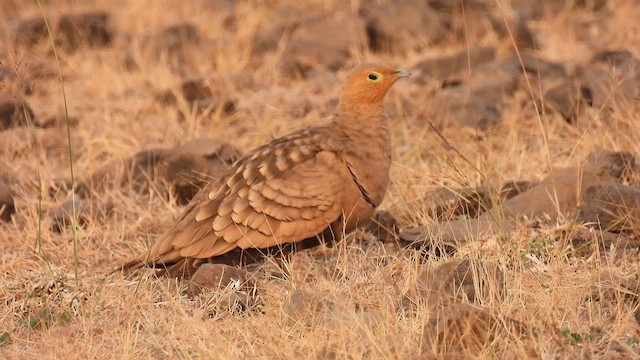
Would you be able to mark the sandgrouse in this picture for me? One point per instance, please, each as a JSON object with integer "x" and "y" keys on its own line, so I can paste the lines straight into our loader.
{"x": 311, "y": 186}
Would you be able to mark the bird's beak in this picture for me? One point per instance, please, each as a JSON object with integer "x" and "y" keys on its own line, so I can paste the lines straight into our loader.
{"x": 402, "y": 73}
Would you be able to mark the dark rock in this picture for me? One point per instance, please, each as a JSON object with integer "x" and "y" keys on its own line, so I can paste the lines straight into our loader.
{"x": 383, "y": 226}
{"x": 524, "y": 37}
{"x": 475, "y": 113}
{"x": 557, "y": 195}
{"x": 468, "y": 22}
{"x": 449, "y": 355}
{"x": 323, "y": 43}
{"x": 293, "y": 103}
{"x": 224, "y": 12}
{"x": 195, "y": 89}
{"x": 269, "y": 38}
{"x": 173, "y": 37}
{"x": 566, "y": 99}
{"x": 31, "y": 31}
{"x": 442, "y": 68}
{"x": 7, "y": 206}
{"x": 214, "y": 104}
{"x": 609, "y": 287}
{"x": 186, "y": 169}
{"x": 304, "y": 55}
{"x": 14, "y": 83}
{"x": 86, "y": 211}
{"x": 611, "y": 207}
{"x": 586, "y": 241}
{"x": 57, "y": 121}
{"x": 218, "y": 278}
{"x": 171, "y": 44}
{"x": 474, "y": 100}
{"x": 534, "y": 65}
{"x": 397, "y": 26}
{"x": 502, "y": 73}
{"x": 554, "y": 90}
{"x": 449, "y": 6}
{"x": 192, "y": 165}
{"x": 219, "y": 5}
{"x": 135, "y": 173}
{"x": 306, "y": 307}
{"x": 191, "y": 89}
{"x": 467, "y": 329}
{"x": 199, "y": 95}
{"x": 623, "y": 59}
{"x": 592, "y": 5}
{"x": 457, "y": 281}
{"x": 86, "y": 29}
{"x": 14, "y": 112}
{"x": 610, "y": 77}
{"x": 313, "y": 309}
{"x": 446, "y": 203}
{"x": 542, "y": 9}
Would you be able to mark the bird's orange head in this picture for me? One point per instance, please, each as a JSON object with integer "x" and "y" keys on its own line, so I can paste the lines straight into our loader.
{"x": 368, "y": 84}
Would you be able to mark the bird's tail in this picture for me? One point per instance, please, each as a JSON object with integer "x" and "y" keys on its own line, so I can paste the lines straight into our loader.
{"x": 130, "y": 266}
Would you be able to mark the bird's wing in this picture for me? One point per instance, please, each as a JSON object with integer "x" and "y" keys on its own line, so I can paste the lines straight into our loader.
{"x": 281, "y": 193}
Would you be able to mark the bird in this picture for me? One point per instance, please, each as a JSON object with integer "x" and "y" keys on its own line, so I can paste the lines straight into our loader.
{"x": 309, "y": 187}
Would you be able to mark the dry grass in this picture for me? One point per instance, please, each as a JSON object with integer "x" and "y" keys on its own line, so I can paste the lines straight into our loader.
{"x": 47, "y": 313}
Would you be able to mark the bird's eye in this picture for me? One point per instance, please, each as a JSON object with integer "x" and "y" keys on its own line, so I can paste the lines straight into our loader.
{"x": 373, "y": 76}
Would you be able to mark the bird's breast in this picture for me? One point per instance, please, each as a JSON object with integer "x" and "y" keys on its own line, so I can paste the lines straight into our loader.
{"x": 370, "y": 166}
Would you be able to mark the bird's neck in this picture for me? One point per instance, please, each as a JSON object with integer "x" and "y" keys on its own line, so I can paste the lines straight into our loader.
{"x": 364, "y": 123}
{"x": 366, "y": 146}
{"x": 363, "y": 119}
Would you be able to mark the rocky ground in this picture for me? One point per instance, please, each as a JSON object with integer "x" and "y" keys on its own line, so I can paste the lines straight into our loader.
{"x": 510, "y": 228}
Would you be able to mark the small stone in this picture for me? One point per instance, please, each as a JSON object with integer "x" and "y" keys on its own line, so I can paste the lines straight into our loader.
{"x": 7, "y": 206}
{"x": 213, "y": 104}
{"x": 84, "y": 29}
{"x": 609, "y": 287}
{"x": 58, "y": 121}
{"x": 457, "y": 281}
{"x": 192, "y": 165}
{"x": 313, "y": 309}
{"x": 31, "y": 31}
{"x": 444, "y": 67}
{"x": 294, "y": 104}
{"x": 467, "y": 329}
{"x": 134, "y": 173}
{"x": 323, "y": 43}
{"x": 190, "y": 89}
{"x": 383, "y": 226}
{"x": 524, "y": 37}
{"x": 171, "y": 44}
{"x": 14, "y": 112}
{"x": 185, "y": 169}
{"x": 610, "y": 206}
{"x": 611, "y": 77}
{"x": 217, "y": 277}
{"x": 586, "y": 241}
{"x": 397, "y": 26}
{"x": 305, "y": 307}
{"x": 14, "y": 83}
{"x": 445, "y": 203}
{"x": 565, "y": 99}
{"x": 474, "y": 100}
{"x": 86, "y": 211}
